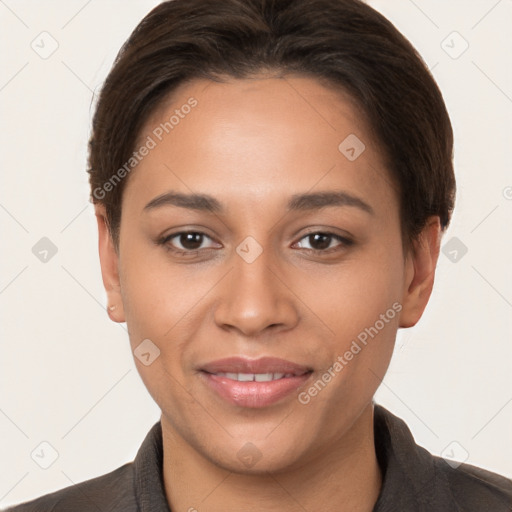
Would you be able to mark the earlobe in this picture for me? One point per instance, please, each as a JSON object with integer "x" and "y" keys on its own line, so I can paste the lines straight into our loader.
{"x": 421, "y": 266}
{"x": 109, "y": 262}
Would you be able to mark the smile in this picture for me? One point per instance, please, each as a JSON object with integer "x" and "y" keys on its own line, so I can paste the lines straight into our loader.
{"x": 254, "y": 383}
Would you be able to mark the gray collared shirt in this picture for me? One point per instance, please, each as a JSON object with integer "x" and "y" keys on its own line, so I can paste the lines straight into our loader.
{"x": 413, "y": 481}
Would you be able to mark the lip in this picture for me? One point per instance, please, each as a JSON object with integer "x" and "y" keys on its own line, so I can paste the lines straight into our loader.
{"x": 254, "y": 394}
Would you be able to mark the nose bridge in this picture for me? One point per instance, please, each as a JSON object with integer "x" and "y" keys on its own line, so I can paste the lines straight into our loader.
{"x": 254, "y": 297}
{"x": 255, "y": 269}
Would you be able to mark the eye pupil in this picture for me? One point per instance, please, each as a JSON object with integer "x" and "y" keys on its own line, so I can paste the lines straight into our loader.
{"x": 191, "y": 241}
{"x": 319, "y": 241}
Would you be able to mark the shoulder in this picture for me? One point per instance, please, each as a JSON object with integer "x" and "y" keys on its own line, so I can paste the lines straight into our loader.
{"x": 476, "y": 489}
{"x": 415, "y": 479}
{"x": 112, "y": 492}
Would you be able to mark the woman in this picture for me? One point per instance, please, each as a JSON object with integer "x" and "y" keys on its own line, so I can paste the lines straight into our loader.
{"x": 271, "y": 181}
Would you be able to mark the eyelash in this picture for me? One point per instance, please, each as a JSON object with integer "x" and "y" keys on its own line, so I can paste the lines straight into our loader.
{"x": 344, "y": 242}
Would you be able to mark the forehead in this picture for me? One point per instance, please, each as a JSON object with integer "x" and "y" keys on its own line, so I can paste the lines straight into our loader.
{"x": 258, "y": 139}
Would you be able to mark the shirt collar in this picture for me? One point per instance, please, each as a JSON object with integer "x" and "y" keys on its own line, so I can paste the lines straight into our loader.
{"x": 410, "y": 477}
{"x": 148, "y": 473}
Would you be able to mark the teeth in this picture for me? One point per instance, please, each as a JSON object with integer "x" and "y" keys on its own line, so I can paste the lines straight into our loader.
{"x": 265, "y": 377}
{"x": 258, "y": 377}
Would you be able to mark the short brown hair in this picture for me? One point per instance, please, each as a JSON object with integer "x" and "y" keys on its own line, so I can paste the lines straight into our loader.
{"x": 345, "y": 43}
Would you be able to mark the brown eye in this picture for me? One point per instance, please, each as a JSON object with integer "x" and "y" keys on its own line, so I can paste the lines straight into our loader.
{"x": 187, "y": 241}
{"x": 190, "y": 241}
{"x": 324, "y": 242}
{"x": 320, "y": 241}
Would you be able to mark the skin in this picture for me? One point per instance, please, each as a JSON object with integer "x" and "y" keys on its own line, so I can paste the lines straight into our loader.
{"x": 252, "y": 144}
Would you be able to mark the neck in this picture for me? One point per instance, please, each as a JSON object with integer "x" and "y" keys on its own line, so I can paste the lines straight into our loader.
{"x": 345, "y": 477}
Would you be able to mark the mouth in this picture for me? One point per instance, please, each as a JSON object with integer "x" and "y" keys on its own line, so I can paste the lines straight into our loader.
{"x": 254, "y": 382}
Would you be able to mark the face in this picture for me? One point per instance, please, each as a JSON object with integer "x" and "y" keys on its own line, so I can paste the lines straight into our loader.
{"x": 287, "y": 263}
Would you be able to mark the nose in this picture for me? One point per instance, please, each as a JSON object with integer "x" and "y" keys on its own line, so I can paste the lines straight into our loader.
{"x": 256, "y": 298}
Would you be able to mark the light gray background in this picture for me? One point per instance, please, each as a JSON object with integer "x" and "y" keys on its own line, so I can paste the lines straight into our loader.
{"x": 66, "y": 372}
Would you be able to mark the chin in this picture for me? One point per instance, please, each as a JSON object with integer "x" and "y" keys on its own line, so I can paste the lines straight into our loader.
{"x": 250, "y": 460}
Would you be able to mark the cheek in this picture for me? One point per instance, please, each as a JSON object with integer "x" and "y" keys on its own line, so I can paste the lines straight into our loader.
{"x": 352, "y": 296}
{"x": 148, "y": 292}
{"x": 361, "y": 307}
{"x": 156, "y": 302}
{"x": 162, "y": 301}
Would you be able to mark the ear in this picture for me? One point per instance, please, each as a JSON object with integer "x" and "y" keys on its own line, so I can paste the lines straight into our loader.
{"x": 109, "y": 262}
{"x": 420, "y": 264}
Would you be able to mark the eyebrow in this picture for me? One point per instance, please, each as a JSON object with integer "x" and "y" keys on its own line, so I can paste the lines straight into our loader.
{"x": 298, "y": 202}
{"x": 319, "y": 200}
